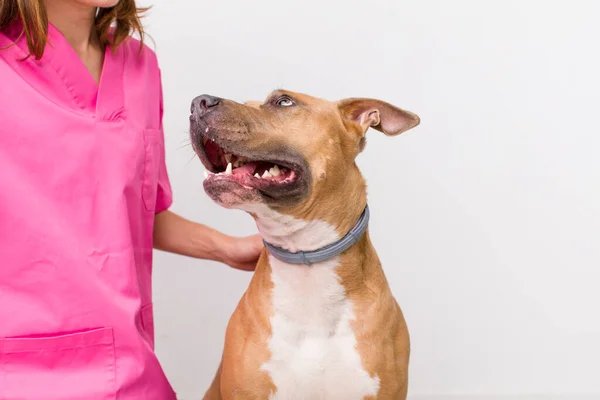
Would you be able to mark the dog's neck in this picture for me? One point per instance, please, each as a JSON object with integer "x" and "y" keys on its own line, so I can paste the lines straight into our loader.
{"x": 294, "y": 234}
{"x": 317, "y": 224}
{"x": 321, "y": 286}
{"x": 314, "y": 297}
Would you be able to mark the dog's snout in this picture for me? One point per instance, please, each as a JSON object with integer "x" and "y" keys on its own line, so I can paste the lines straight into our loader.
{"x": 202, "y": 104}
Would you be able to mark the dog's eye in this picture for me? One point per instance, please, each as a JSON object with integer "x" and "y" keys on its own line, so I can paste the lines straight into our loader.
{"x": 284, "y": 101}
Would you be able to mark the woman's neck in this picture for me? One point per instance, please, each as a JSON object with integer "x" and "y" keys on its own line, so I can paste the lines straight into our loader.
{"x": 75, "y": 22}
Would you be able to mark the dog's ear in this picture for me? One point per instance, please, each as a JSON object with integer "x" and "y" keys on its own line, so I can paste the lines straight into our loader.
{"x": 379, "y": 115}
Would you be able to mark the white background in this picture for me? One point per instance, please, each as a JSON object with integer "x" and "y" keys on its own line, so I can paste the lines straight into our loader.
{"x": 486, "y": 216}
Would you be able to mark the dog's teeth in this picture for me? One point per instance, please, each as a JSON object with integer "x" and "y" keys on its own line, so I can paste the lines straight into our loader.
{"x": 229, "y": 169}
{"x": 228, "y": 158}
{"x": 257, "y": 175}
{"x": 266, "y": 174}
{"x": 275, "y": 170}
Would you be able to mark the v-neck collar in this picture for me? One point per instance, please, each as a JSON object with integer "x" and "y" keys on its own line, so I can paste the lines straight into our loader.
{"x": 104, "y": 100}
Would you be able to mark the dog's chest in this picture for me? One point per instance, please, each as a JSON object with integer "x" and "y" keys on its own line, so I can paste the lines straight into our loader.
{"x": 313, "y": 347}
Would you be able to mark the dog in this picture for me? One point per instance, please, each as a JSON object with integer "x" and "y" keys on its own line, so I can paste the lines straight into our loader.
{"x": 318, "y": 320}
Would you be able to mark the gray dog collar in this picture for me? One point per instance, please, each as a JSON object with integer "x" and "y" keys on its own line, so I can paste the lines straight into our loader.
{"x": 324, "y": 253}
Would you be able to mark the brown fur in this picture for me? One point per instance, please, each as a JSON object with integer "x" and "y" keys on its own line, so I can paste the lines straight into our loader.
{"x": 328, "y": 136}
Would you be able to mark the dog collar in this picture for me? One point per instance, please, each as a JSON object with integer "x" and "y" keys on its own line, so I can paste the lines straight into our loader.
{"x": 324, "y": 253}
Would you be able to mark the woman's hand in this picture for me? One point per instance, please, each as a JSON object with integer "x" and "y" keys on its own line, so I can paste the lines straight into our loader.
{"x": 242, "y": 253}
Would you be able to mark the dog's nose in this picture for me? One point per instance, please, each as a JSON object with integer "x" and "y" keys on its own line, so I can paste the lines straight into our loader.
{"x": 202, "y": 104}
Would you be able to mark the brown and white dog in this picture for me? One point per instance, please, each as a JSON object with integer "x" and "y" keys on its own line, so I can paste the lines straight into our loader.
{"x": 330, "y": 330}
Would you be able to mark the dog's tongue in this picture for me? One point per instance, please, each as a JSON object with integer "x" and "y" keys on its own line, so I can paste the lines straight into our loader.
{"x": 246, "y": 169}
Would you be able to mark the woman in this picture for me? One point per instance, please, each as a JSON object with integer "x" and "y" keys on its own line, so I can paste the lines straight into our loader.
{"x": 84, "y": 197}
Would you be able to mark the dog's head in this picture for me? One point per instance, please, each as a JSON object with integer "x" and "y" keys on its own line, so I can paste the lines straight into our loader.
{"x": 288, "y": 151}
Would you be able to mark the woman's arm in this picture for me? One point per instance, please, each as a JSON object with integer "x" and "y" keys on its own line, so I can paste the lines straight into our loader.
{"x": 178, "y": 235}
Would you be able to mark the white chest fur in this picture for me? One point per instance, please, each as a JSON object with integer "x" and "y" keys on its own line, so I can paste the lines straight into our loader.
{"x": 313, "y": 347}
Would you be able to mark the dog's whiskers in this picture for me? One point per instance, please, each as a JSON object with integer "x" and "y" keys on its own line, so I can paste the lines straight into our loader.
{"x": 187, "y": 145}
{"x": 190, "y": 160}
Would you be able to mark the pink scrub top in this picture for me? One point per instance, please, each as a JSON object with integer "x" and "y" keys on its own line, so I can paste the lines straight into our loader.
{"x": 82, "y": 174}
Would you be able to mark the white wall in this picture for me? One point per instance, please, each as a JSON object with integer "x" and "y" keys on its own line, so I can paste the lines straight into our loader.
{"x": 486, "y": 216}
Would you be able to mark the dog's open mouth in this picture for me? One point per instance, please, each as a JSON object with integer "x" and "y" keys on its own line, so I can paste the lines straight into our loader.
{"x": 223, "y": 164}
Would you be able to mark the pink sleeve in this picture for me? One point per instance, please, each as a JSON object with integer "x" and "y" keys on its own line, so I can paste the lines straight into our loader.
{"x": 164, "y": 194}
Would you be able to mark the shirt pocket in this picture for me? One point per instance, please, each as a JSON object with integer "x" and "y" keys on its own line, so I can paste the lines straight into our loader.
{"x": 152, "y": 161}
{"x": 76, "y": 366}
{"x": 147, "y": 316}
